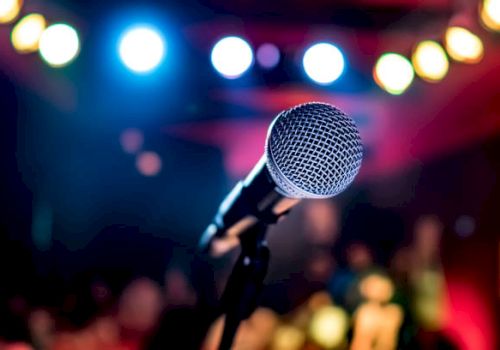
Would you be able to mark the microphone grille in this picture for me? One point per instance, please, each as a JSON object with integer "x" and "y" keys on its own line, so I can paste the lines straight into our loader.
{"x": 313, "y": 151}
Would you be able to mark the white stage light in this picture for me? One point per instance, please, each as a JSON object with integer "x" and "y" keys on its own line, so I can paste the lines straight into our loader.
{"x": 59, "y": 44}
{"x": 323, "y": 63}
{"x": 232, "y": 56}
{"x": 142, "y": 49}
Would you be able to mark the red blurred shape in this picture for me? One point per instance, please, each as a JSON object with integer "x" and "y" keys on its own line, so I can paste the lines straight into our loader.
{"x": 18, "y": 346}
{"x": 470, "y": 322}
{"x": 148, "y": 163}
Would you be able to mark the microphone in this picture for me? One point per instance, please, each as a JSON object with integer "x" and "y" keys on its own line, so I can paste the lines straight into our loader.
{"x": 312, "y": 150}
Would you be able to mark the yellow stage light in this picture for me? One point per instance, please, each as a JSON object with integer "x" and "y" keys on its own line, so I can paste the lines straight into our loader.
{"x": 26, "y": 34}
{"x": 490, "y": 14}
{"x": 59, "y": 45}
{"x": 329, "y": 327}
{"x": 376, "y": 287}
{"x": 393, "y": 73}
{"x": 463, "y": 46}
{"x": 9, "y": 10}
{"x": 430, "y": 61}
{"x": 288, "y": 338}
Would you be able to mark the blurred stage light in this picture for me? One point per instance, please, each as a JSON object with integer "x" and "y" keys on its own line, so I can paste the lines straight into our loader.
{"x": 463, "y": 46}
{"x": 288, "y": 337}
{"x": 26, "y": 34}
{"x": 319, "y": 300}
{"x": 268, "y": 55}
{"x": 430, "y": 61}
{"x": 429, "y": 298}
{"x": 376, "y": 287}
{"x": 393, "y": 73}
{"x": 59, "y": 44}
{"x": 490, "y": 14}
{"x": 9, "y": 10}
{"x": 131, "y": 140}
{"x": 231, "y": 57}
{"x": 323, "y": 63}
{"x": 142, "y": 49}
{"x": 329, "y": 327}
{"x": 18, "y": 346}
{"x": 148, "y": 163}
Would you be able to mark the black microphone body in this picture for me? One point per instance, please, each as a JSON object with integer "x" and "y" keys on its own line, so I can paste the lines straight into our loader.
{"x": 254, "y": 199}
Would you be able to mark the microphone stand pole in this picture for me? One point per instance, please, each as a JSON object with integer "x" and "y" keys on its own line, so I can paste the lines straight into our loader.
{"x": 244, "y": 286}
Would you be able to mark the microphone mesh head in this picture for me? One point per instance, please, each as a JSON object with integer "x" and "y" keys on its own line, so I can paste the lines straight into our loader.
{"x": 313, "y": 150}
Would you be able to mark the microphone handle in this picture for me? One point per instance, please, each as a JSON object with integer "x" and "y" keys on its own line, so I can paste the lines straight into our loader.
{"x": 253, "y": 200}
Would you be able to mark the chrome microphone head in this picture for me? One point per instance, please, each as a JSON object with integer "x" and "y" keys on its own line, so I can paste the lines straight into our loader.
{"x": 313, "y": 150}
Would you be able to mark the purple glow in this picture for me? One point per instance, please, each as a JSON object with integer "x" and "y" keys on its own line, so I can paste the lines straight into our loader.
{"x": 131, "y": 140}
{"x": 268, "y": 55}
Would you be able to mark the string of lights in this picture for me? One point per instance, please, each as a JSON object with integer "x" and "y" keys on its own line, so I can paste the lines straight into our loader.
{"x": 58, "y": 43}
{"x": 429, "y": 60}
{"x": 142, "y": 49}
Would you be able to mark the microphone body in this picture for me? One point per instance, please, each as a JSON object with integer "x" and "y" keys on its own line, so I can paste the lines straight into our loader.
{"x": 254, "y": 199}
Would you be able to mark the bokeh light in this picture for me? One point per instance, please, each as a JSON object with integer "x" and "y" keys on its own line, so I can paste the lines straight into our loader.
{"x": 323, "y": 63}
{"x": 231, "y": 57}
{"x": 59, "y": 45}
{"x": 142, "y": 49}
{"x": 148, "y": 163}
{"x": 140, "y": 305}
{"x": 430, "y": 61}
{"x": 40, "y": 322}
{"x": 18, "y": 346}
{"x": 376, "y": 287}
{"x": 26, "y": 34}
{"x": 9, "y": 10}
{"x": 328, "y": 327}
{"x": 359, "y": 256}
{"x": 427, "y": 236}
{"x": 288, "y": 337}
{"x": 429, "y": 299}
{"x": 393, "y": 73}
{"x": 490, "y": 14}
{"x": 465, "y": 226}
{"x": 319, "y": 300}
{"x": 131, "y": 140}
{"x": 268, "y": 55}
{"x": 322, "y": 221}
{"x": 463, "y": 46}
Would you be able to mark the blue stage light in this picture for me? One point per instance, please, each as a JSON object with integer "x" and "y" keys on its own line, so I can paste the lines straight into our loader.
{"x": 142, "y": 48}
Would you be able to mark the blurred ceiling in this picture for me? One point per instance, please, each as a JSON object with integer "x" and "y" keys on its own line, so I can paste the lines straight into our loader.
{"x": 339, "y": 11}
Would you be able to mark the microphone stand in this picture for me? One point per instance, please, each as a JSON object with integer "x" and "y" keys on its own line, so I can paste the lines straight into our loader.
{"x": 244, "y": 286}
